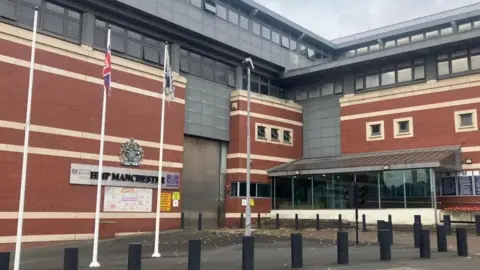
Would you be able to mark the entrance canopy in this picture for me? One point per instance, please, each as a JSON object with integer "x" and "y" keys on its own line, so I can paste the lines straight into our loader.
{"x": 443, "y": 158}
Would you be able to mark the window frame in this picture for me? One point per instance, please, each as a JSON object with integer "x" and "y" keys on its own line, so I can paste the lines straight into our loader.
{"x": 398, "y": 134}
{"x": 457, "y": 121}
{"x": 368, "y": 130}
{"x": 235, "y": 188}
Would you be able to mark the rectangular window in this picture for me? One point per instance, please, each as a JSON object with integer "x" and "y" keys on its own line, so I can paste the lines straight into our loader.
{"x": 285, "y": 42}
{"x": 287, "y": 136}
{"x": 184, "y": 60}
{"x": 118, "y": 39}
{"x": 256, "y": 28}
{"x": 293, "y": 45}
{"x": 234, "y": 190}
{"x": 476, "y": 24}
{"x": 311, "y": 54}
{"x": 372, "y": 81}
{"x": 375, "y": 131}
{"x": 446, "y": 31}
{"x": 8, "y": 9}
{"x": 231, "y": 77}
{"x": 261, "y": 132}
{"x": 389, "y": 44}
{"x": 265, "y": 32}
{"x": 374, "y": 47}
{"x": 403, "y": 127}
{"x": 459, "y": 65}
{"x": 244, "y": 22}
{"x": 233, "y": 17}
{"x": 243, "y": 189}
{"x": 220, "y": 73}
{"x": 431, "y": 34}
{"x": 416, "y": 38}
{"x": 359, "y": 83}
{"x": 419, "y": 72}
{"x": 465, "y": 27}
{"x": 388, "y": 78}
{"x": 466, "y": 121}
{"x": 210, "y": 6}
{"x": 197, "y": 3}
{"x": 362, "y": 50}
{"x": 303, "y": 50}
{"x": 275, "y": 37}
{"x": 442, "y": 68}
{"x": 263, "y": 190}
{"x": 350, "y": 53}
{"x": 403, "y": 41}
{"x": 338, "y": 87}
{"x": 404, "y": 75}
{"x": 221, "y": 12}
{"x": 275, "y": 134}
{"x": 195, "y": 64}
{"x": 475, "y": 63}
{"x": 207, "y": 67}
{"x": 327, "y": 89}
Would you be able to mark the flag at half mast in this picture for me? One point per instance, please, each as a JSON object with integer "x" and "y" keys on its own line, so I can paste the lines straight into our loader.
{"x": 168, "y": 76}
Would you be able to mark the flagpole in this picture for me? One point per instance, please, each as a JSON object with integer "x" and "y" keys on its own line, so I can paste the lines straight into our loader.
{"x": 156, "y": 253}
{"x": 95, "y": 262}
{"x": 21, "y": 206}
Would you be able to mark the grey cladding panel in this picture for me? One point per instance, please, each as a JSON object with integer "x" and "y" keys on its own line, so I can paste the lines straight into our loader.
{"x": 321, "y": 125}
{"x": 206, "y": 105}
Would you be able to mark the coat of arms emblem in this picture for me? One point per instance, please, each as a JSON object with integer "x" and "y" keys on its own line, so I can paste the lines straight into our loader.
{"x": 131, "y": 153}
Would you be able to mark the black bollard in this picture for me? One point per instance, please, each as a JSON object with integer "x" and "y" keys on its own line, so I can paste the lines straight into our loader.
{"x": 199, "y": 221}
{"x": 70, "y": 259}
{"x": 277, "y": 222}
{"x": 416, "y": 234}
{"x": 135, "y": 256}
{"x": 390, "y": 218}
{"x": 448, "y": 224}
{"x": 182, "y": 221}
{"x": 425, "y": 244}
{"x": 389, "y": 226}
{"x": 477, "y": 224}
{"x": 340, "y": 225}
{"x": 380, "y": 226}
{"x": 259, "y": 221}
{"x": 194, "y": 254}
{"x": 385, "y": 247}
{"x": 242, "y": 221}
{"x": 297, "y": 226}
{"x": 247, "y": 253}
{"x": 441, "y": 239}
{"x": 342, "y": 247}
{"x": 296, "y": 250}
{"x": 364, "y": 223}
{"x": 317, "y": 222}
{"x": 462, "y": 244}
{"x": 4, "y": 260}
{"x": 417, "y": 218}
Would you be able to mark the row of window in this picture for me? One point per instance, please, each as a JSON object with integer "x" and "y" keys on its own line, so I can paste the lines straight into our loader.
{"x": 392, "y": 74}
{"x": 239, "y": 189}
{"x": 207, "y": 68}
{"x": 262, "y": 30}
{"x": 458, "y": 62}
{"x": 466, "y": 183}
{"x": 467, "y": 26}
{"x": 313, "y": 91}
{"x": 53, "y": 19}
{"x": 273, "y": 134}
{"x": 465, "y": 121}
{"x": 263, "y": 85}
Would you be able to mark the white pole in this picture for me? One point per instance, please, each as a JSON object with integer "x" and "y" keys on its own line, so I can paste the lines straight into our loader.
{"x": 21, "y": 206}
{"x": 95, "y": 262}
{"x": 248, "y": 228}
{"x": 156, "y": 253}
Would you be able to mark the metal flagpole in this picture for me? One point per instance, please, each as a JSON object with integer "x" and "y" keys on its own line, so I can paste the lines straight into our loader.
{"x": 166, "y": 63}
{"x": 95, "y": 262}
{"x": 248, "y": 222}
{"x": 23, "y": 182}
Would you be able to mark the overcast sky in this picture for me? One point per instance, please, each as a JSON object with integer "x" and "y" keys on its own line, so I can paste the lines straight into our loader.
{"x": 334, "y": 18}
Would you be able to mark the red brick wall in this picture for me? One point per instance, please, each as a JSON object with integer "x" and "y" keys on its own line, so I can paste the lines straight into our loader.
{"x": 238, "y": 145}
{"x": 74, "y": 104}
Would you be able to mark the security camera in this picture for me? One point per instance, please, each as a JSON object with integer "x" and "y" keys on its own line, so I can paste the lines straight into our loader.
{"x": 248, "y": 63}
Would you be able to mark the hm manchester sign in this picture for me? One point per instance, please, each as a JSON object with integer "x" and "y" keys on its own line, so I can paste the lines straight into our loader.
{"x": 83, "y": 174}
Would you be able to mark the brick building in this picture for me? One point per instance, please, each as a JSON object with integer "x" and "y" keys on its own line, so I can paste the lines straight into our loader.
{"x": 393, "y": 108}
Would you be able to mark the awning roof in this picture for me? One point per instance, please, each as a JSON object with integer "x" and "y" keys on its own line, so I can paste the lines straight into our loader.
{"x": 447, "y": 158}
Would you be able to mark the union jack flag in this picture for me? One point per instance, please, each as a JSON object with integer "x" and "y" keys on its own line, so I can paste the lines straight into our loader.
{"x": 107, "y": 68}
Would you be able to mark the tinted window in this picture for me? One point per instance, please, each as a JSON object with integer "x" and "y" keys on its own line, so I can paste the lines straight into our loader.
{"x": 256, "y": 28}
{"x": 265, "y": 32}
{"x": 244, "y": 22}
{"x": 233, "y": 17}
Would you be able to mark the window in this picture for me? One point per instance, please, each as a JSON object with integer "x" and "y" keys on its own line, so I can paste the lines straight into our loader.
{"x": 338, "y": 87}
{"x": 403, "y": 41}
{"x": 256, "y": 28}
{"x": 374, "y": 47}
{"x": 287, "y": 136}
{"x": 465, "y": 27}
{"x": 446, "y": 31}
{"x": 403, "y": 127}
{"x": 293, "y": 45}
{"x": 210, "y": 6}
{"x": 466, "y": 121}
{"x": 404, "y": 75}
{"x": 275, "y": 37}
{"x": 233, "y": 17}
{"x": 389, "y": 44}
{"x": 285, "y": 42}
{"x": 257, "y": 190}
{"x": 8, "y": 9}
{"x": 207, "y": 67}
{"x": 372, "y": 81}
{"x": 265, "y": 32}
{"x": 244, "y": 22}
{"x": 458, "y": 62}
{"x": 275, "y": 135}
{"x": 327, "y": 89}
{"x": 350, "y": 53}
{"x": 197, "y": 3}
{"x": 431, "y": 34}
{"x": 375, "y": 131}
{"x": 362, "y": 50}
{"x": 221, "y": 12}
{"x": 416, "y": 38}
{"x": 261, "y": 132}
{"x": 359, "y": 83}
{"x": 388, "y": 78}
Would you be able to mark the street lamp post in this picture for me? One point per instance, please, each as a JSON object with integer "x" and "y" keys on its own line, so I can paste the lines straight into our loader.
{"x": 248, "y": 212}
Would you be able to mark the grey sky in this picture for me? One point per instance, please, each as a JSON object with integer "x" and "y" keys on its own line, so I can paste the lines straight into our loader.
{"x": 334, "y": 18}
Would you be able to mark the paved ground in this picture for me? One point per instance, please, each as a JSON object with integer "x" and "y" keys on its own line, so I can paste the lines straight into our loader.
{"x": 222, "y": 249}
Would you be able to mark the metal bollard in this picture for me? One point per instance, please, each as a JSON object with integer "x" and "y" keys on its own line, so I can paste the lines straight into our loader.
{"x": 194, "y": 254}
{"x": 417, "y": 218}
{"x": 297, "y": 226}
{"x": 182, "y": 221}
{"x": 296, "y": 250}
{"x": 390, "y": 218}
{"x": 135, "y": 256}
{"x": 247, "y": 253}
{"x": 441, "y": 239}
{"x": 4, "y": 260}
{"x": 259, "y": 221}
{"x": 390, "y": 228}
{"x": 342, "y": 247}
{"x": 70, "y": 259}
{"x": 448, "y": 224}
{"x": 425, "y": 244}
{"x": 340, "y": 225}
{"x": 242, "y": 221}
{"x": 364, "y": 223}
{"x": 462, "y": 244}
{"x": 380, "y": 226}
{"x": 477, "y": 224}
{"x": 385, "y": 247}
{"x": 199, "y": 221}
{"x": 317, "y": 222}
{"x": 416, "y": 234}
{"x": 277, "y": 222}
